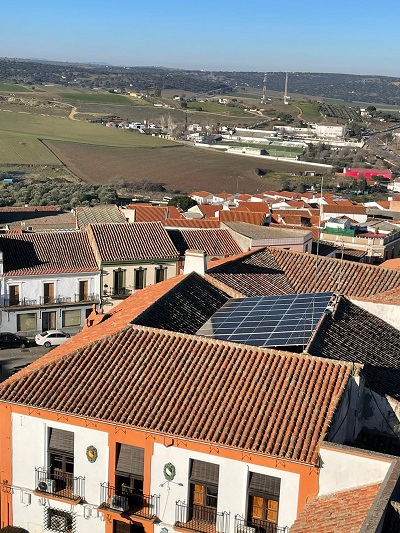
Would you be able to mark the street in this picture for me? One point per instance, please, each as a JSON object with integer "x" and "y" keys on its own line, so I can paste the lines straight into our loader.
{"x": 12, "y": 358}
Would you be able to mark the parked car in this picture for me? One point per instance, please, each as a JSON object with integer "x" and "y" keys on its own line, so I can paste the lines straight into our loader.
{"x": 53, "y": 337}
{"x": 10, "y": 340}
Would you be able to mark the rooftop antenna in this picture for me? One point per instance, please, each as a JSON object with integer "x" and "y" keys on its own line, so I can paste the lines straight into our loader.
{"x": 264, "y": 94}
{"x": 285, "y": 98}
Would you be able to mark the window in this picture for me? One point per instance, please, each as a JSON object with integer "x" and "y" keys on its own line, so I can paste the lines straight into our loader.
{"x": 57, "y": 520}
{"x": 161, "y": 274}
{"x": 49, "y": 320}
{"x": 71, "y": 318}
{"x": 61, "y": 458}
{"x": 83, "y": 290}
{"x": 263, "y": 499}
{"x": 119, "y": 282}
{"x": 48, "y": 293}
{"x": 26, "y": 322}
{"x": 129, "y": 469}
{"x": 140, "y": 278}
{"x": 203, "y": 490}
{"x": 14, "y": 294}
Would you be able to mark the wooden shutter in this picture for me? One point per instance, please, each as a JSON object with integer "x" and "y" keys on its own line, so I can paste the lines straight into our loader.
{"x": 204, "y": 473}
{"x": 61, "y": 441}
{"x": 265, "y": 486}
{"x": 130, "y": 460}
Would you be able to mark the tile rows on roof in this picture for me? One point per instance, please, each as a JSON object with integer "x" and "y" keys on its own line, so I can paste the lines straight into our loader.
{"x": 209, "y": 391}
{"x": 47, "y": 253}
{"x": 192, "y": 223}
{"x": 104, "y": 214}
{"x": 127, "y": 242}
{"x": 214, "y": 242}
{"x": 342, "y": 512}
{"x": 150, "y": 213}
{"x": 235, "y": 215}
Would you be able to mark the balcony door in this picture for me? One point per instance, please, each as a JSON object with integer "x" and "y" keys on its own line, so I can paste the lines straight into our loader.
{"x": 119, "y": 282}
{"x": 61, "y": 459}
{"x": 48, "y": 293}
{"x": 83, "y": 290}
{"x": 14, "y": 294}
{"x": 263, "y": 502}
{"x": 203, "y": 491}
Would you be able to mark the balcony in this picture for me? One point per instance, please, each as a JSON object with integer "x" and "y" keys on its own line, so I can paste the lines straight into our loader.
{"x": 200, "y": 518}
{"x": 255, "y": 525}
{"x": 128, "y": 502}
{"x": 45, "y": 300}
{"x": 59, "y": 485}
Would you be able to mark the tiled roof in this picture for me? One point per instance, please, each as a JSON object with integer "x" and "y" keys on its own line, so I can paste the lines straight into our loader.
{"x": 215, "y": 242}
{"x": 235, "y": 215}
{"x": 333, "y": 275}
{"x": 351, "y": 210}
{"x": 266, "y": 232}
{"x": 145, "y": 213}
{"x": 342, "y": 512}
{"x": 29, "y": 209}
{"x": 103, "y": 214}
{"x": 391, "y": 263}
{"x": 47, "y": 253}
{"x": 191, "y": 223}
{"x": 202, "y": 194}
{"x": 252, "y": 274}
{"x": 263, "y": 271}
{"x": 254, "y": 207}
{"x": 128, "y": 242}
{"x": 38, "y": 219}
{"x": 209, "y": 391}
{"x": 209, "y": 210}
{"x": 352, "y": 334}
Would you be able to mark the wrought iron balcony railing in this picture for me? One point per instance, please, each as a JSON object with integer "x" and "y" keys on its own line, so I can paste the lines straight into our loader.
{"x": 256, "y": 525}
{"x": 201, "y": 518}
{"x": 129, "y": 502}
{"x": 47, "y": 300}
{"x": 60, "y": 484}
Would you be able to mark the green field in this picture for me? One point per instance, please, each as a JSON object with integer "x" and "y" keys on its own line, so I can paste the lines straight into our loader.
{"x": 13, "y": 88}
{"x": 308, "y": 110}
{"x": 24, "y": 149}
{"x": 215, "y": 107}
{"x": 96, "y": 98}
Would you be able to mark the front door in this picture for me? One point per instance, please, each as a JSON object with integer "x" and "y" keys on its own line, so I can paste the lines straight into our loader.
{"x": 49, "y": 320}
{"x": 124, "y": 527}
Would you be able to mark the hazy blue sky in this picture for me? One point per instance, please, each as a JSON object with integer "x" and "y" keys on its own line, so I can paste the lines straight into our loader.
{"x": 347, "y": 36}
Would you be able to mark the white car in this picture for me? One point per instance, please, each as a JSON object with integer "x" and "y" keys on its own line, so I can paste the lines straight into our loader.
{"x": 53, "y": 337}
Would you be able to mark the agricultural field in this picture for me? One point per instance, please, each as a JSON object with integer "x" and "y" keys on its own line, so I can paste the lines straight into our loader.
{"x": 13, "y": 88}
{"x": 24, "y": 149}
{"x": 219, "y": 109}
{"x": 309, "y": 111}
{"x": 181, "y": 168}
{"x": 96, "y": 98}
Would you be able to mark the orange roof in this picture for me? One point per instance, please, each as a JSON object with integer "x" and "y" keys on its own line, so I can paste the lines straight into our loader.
{"x": 346, "y": 209}
{"x": 234, "y": 215}
{"x": 209, "y": 391}
{"x": 342, "y": 512}
{"x": 192, "y": 223}
{"x": 144, "y": 213}
{"x": 202, "y": 194}
{"x": 254, "y": 207}
{"x": 391, "y": 263}
{"x": 243, "y": 197}
{"x": 209, "y": 210}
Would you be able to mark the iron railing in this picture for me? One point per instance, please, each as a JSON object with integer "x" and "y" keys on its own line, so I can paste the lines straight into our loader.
{"x": 60, "y": 484}
{"x": 256, "y": 525}
{"x": 47, "y": 300}
{"x": 129, "y": 502}
{"x": 201, "y": 518}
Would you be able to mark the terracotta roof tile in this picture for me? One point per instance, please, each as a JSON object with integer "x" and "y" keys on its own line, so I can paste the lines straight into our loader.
{"x": 342, "y": 512}
{"x": 215, "y": 242}
{"x": 209, "y": 391}
{"x": 127, "y": 242}
{"x": 346, "y": 209}
{"x": 254, "y": 207}
{"x": 47, "y": 253}
{"x": 192, "y": 223}
{"x": 209, "y": 210}
{"x": 235, "y": 215}
{"x": 144, "y": 213}
{"x": 104, "y": 214}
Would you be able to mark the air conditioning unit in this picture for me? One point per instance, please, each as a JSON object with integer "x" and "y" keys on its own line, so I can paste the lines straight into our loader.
{"x": 245, "y": 529}
{"x": 47, "y": 485}
{"x": 119, "y": 503}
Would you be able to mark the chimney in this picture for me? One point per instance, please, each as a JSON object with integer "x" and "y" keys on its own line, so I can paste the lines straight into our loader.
{"x": 195, "y": 261}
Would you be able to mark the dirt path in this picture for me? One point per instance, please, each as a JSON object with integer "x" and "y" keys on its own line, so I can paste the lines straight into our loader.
{"x": 72, "y": 114}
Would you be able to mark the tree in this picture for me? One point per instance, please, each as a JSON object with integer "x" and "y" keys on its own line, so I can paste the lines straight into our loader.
{"x": 182, "y": 201}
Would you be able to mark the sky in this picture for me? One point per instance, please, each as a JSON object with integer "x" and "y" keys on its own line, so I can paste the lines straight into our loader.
{"x": 343, "y": 36}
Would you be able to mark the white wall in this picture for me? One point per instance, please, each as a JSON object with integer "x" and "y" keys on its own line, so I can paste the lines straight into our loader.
{"x": 232, "y": 487}
{"x": 343, "y": 471}
{"x": 29, "y": 445}
{"x": 388, "y": 313}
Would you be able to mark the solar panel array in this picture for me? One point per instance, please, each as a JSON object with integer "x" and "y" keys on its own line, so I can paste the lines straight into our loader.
{"x": 272, "y": 321}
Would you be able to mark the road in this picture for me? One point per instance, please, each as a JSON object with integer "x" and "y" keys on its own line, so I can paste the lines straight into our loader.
{"x": 15, "y": 357}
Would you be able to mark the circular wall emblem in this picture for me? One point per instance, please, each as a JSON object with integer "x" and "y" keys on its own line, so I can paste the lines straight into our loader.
{"x": 91, "y": 454}
{"x": 169, "y": 471}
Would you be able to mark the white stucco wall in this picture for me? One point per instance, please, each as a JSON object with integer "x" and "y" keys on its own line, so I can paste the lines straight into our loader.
{"x": 29, "y": 445}
{"x": 32, "y": 288}
{"x": 150, "y": 276}
{"x": 232, "y": 486}
{"x": 343, "y": 471}
{"x": 388, "y": 313}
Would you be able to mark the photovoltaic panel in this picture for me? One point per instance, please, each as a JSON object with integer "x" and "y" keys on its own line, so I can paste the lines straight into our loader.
{"x": 268, "y": 321}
